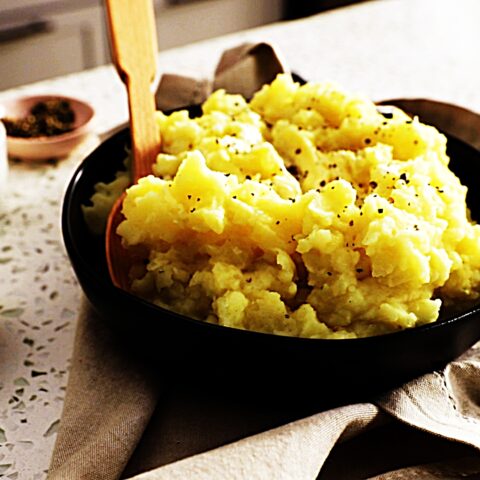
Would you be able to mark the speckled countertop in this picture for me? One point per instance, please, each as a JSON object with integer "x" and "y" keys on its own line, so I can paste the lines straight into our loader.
{"x": 385, "y": 49}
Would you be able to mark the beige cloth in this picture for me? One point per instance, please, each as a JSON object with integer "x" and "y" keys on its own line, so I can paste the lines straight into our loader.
{"x": 112, "y": 397}
{"x": 242, "y": 70}
{"x": 122, "y": 416}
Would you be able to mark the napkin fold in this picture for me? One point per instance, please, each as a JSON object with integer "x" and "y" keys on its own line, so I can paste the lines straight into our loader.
{"x": 124, "y": 418}
{"x": 110, "y": 398}
{"x": 121, "y": 419}
{"x": 243, "y": 69}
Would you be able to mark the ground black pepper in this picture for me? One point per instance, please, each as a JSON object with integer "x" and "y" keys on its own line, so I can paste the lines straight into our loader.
{"x": 47, "y": 118}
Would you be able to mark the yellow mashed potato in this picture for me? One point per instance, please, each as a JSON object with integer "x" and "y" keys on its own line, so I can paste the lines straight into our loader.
{"x": 303, "y": 212}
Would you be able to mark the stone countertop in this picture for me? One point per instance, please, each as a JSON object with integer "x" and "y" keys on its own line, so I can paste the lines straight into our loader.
{"x": 384, "y": 49}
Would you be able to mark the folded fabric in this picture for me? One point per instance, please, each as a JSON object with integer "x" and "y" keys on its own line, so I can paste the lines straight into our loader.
{"x": 112, "y": 396}
{"x": 243, "y": 69}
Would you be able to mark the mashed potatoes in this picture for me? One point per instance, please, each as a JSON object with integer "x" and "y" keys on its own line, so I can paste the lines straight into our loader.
{"x": 304, "y": 212}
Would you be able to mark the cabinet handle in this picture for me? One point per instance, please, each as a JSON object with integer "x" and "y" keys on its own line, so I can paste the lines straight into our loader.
{"x": 17, "y": 31}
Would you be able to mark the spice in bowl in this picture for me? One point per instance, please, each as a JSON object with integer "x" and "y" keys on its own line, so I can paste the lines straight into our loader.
{"x": 46, "y": 118}
{"x": 44, "y": 127}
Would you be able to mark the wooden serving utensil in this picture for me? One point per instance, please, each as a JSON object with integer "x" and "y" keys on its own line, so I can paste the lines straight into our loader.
{"x": 134, "y": 49}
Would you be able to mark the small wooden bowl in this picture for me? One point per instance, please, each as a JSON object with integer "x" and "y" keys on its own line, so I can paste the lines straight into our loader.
{"x": 43, "y": 148}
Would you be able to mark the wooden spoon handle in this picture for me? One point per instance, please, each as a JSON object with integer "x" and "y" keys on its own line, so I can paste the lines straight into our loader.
{"x": 134, "y": 50}
{"x": 144, "y": 131}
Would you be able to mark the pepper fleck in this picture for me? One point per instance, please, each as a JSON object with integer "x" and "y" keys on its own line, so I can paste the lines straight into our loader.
{"x": 293, "y": 169}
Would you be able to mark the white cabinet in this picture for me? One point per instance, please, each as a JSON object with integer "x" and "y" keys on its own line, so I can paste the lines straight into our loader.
{"x": 182, "y": 22}
{"x": 40, "y": 39}
{"x": 36, "y": 46}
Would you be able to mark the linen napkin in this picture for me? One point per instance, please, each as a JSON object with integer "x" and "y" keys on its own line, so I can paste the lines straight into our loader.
{"x": 243, "y": 69}
{"x": 125, "y": 418}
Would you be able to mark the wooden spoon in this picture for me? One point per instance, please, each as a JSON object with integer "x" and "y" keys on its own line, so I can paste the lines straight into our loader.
{"x": 134, "y": 48}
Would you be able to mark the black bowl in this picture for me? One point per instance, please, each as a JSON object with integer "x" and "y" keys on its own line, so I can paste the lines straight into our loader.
{"x": 338, "y": 369}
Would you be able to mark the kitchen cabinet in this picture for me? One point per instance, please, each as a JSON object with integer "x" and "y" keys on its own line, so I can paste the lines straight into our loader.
{"x": 40, "y": 39}
{"x": 182, "y": 22}
{"x": 35, "y": 45}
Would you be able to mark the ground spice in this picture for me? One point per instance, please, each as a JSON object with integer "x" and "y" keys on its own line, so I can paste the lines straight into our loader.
{"x": 45, "y": 119}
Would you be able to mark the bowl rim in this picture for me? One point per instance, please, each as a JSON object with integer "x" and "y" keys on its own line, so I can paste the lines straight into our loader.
{"x": 44, "y": 139}
{"x": 71, "y": 245}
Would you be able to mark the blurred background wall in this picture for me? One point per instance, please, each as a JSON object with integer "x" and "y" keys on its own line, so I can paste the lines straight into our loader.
{"x": 40, "y": 39}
